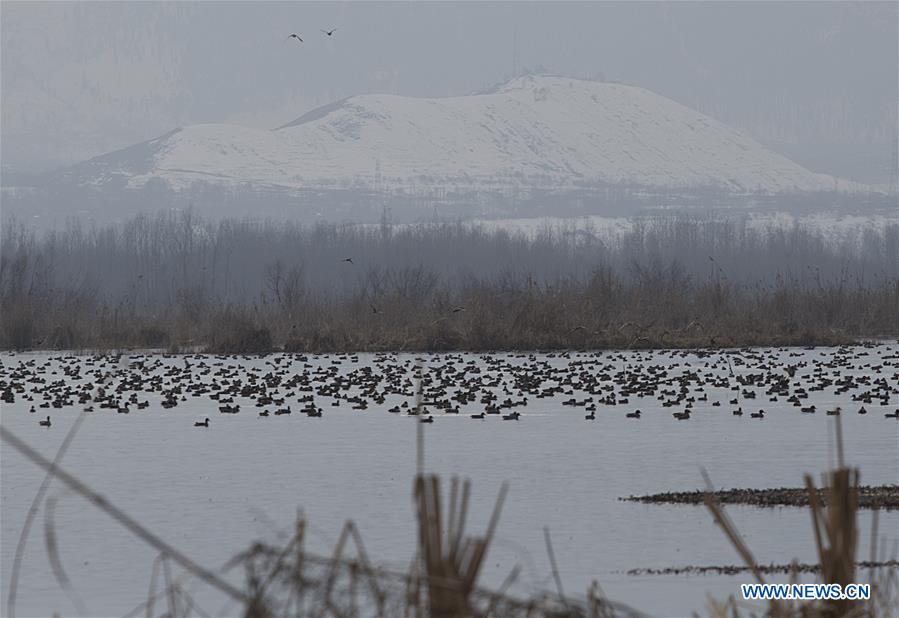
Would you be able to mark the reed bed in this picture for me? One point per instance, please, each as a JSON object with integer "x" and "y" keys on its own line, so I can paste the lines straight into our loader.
{"x": 179, "y": 282}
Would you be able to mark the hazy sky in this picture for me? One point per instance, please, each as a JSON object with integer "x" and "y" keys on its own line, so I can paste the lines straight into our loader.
{"x": 79, "y": 79}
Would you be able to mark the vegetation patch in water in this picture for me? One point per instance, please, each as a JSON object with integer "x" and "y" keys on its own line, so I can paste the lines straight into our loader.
{"x": 869, "y": 497}
{"x": 733, "y": 569}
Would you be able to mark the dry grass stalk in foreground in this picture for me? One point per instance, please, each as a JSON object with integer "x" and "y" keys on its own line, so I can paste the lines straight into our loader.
{"x": 451, "y": 560}
{"x": 440, "y": 583}
{"x": 836, "y": 538}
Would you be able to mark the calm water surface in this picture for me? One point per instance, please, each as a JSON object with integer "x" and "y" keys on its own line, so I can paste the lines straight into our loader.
{"x": 212, "y": 492}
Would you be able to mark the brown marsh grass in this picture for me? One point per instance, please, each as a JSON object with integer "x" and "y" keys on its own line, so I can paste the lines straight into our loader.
{"x": 177, "y": 281}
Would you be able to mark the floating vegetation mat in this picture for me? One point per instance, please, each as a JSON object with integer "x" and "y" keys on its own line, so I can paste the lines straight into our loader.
{"x": 869, "y": 497}
{"x": 732, "y": 569}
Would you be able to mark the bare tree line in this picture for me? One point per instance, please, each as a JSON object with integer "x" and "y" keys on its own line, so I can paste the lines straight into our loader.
{"x": 180, "y": 281}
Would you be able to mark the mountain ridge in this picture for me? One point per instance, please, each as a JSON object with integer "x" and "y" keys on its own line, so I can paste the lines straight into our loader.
{"x": 541, "y": 132}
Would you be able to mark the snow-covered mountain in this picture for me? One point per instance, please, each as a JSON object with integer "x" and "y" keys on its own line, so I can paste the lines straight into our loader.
{"x": 545, "y": 132}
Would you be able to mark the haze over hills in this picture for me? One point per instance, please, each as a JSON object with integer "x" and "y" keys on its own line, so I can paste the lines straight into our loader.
{"x": 535, "y": 132}
{"x": 814, "y": 82}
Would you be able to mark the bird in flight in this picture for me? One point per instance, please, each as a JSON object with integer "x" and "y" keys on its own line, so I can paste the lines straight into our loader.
{"x": 295, "y": 36}
{"x": 330, "y": 32}
{"x": 350, "y": 260}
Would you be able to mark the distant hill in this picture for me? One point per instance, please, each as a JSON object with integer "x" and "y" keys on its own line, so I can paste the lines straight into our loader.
{"x": 538, "y": 132}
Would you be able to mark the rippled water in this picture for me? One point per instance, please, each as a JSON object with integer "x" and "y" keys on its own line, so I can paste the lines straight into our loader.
{"x": 213, "y": 491}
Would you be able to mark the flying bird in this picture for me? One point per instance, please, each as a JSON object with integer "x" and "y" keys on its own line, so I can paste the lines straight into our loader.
{"x": 330, "y": 32}
{"x": 295, "y": 36}
{"x": 350, "y": 260}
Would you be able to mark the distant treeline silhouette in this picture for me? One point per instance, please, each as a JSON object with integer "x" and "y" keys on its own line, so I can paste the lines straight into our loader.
{"x": 181, "y": 282}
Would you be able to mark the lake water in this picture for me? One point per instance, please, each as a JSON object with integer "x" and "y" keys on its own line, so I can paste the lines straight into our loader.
{"x": 211, "y": 492}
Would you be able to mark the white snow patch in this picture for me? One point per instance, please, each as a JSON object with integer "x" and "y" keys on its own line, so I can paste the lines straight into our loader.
{"x": 534, "y": 132}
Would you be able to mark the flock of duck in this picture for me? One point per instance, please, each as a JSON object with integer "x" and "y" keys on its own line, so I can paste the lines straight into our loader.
{"x": 849, "y": 379}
